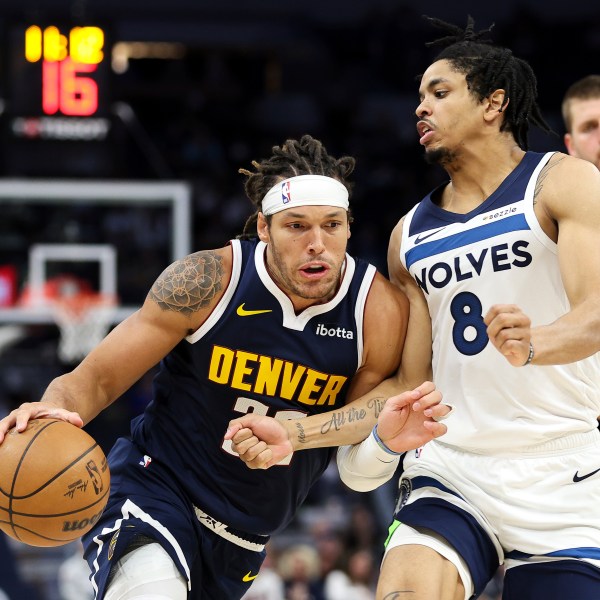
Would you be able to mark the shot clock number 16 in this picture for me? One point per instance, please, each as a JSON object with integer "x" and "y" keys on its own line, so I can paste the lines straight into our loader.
{"x": 68, "y": 63}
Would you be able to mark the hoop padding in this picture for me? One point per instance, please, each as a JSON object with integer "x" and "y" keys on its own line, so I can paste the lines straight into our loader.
{"x": 83, "y": 321}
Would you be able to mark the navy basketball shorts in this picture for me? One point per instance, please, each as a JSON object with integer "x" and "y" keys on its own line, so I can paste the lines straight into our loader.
{"x": 146, "y": 503}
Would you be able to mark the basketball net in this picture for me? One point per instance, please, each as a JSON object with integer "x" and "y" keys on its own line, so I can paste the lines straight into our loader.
{"x": 83, "y": 320}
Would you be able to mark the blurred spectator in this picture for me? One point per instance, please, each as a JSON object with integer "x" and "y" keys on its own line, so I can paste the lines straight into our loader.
{"x": 12, "y": 584}
{"x": 73, "y": 577}
{"x": 357, "y": 582}
{"x": 362, "y": 531}
{"x": 581, "y": 116}
{"x": 300, "y": 568}
{"x": 329, "y": 544}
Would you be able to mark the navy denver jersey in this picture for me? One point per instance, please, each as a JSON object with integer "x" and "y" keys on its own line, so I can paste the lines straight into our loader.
{"x": 253, "y": 354}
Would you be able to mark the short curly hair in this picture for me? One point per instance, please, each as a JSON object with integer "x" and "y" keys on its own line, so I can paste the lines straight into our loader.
{"x": 306, "y": 156}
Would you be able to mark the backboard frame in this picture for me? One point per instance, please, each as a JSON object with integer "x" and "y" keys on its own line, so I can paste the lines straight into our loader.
{"x": 176, "y": 195}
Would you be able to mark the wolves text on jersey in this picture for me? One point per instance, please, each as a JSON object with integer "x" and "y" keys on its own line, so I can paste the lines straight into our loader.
{"x": 472, "y": 264}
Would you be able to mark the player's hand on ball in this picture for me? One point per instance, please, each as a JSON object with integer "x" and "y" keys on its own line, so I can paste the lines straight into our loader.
{"x": 20, "y": 416}
{"x": 411, "y": 419}
{"x": 260, "y": 441}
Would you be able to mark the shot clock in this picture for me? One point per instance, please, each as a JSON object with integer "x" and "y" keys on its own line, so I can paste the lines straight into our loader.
{"x": 57, "y": 101}
{"x": 69, "y": 63}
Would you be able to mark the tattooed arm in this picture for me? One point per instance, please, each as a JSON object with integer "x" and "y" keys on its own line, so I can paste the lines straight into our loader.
{"x": 180, "y": 300}
{"x": 263, "y": 441}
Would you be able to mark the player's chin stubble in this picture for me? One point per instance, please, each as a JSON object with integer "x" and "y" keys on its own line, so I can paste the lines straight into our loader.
{"x": 440, "y": 156}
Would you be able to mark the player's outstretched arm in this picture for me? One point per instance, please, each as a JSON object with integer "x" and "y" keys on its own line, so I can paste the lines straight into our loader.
{"x": 264, "y": 441}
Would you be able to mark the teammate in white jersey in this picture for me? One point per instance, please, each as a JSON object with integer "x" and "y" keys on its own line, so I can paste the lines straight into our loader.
{"x": 502, "y": 268}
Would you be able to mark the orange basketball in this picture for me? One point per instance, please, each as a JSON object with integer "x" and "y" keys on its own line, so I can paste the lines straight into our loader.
{"x": 54, "y": 483}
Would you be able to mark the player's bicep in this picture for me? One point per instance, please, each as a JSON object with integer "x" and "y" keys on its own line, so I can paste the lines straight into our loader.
{"x": 385, "y": 323}
{"x": 415, "y": 365}
{"x": 578, "y": 223}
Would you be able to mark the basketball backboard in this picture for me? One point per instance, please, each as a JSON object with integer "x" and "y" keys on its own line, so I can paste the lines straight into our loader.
{"x": 115, "y": 236}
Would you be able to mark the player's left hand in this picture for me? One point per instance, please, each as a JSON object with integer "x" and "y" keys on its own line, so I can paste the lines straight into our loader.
{"x": 509, "y": 330}
{"x": 411, "y": 419}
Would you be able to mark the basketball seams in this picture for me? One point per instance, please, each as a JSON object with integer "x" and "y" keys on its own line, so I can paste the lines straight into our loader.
{"x": 62, "y": 514}
{"x": 72, "y": 495}
{"x": 56, "y": 476}
{"x": 16, "y": 474}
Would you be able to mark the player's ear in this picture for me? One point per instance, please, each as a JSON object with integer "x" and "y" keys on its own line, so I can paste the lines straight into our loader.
{"x": 497, "y": 102}
{"x": 568, "y": 144}
{"x": 262, "y": 227}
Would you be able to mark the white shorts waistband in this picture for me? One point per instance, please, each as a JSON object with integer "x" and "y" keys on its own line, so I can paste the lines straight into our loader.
{"x": 226, "y": 532}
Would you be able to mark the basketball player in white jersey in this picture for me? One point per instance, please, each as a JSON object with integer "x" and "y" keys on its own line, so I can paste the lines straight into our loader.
{"x": 502, "y": 268}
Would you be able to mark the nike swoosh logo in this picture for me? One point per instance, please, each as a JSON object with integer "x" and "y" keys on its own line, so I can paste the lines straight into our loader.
{"x": 577, "y": 477}
{"x": 421, "y": 238}
{"x": 248, "y": 576}
{"x": 242, "y": 312}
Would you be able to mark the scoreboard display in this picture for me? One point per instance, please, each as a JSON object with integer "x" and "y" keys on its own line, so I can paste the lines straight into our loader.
{"x": 68, "y": 65}
{"x": 57, "y": 107}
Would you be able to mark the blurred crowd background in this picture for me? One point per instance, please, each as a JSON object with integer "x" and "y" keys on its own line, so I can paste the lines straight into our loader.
{"x": 191, "y": 92}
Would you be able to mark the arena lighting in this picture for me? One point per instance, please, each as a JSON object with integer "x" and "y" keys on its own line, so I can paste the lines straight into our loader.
{"x": 123, "y": 52}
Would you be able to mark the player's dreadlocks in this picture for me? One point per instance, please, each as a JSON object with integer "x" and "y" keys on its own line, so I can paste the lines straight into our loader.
{"x": 306, "y": 156}
{"x": 487, "y": 68}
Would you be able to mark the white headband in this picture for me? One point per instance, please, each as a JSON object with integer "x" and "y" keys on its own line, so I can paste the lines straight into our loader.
{"x": 305, "y": 190}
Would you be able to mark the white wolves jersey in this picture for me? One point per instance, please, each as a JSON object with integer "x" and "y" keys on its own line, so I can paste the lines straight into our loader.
{"x": 496, "y": 254}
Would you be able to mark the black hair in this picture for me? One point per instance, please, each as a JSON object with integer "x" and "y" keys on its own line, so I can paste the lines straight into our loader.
{"x": 488, "y": 67}
{"x": 307, "y": 156}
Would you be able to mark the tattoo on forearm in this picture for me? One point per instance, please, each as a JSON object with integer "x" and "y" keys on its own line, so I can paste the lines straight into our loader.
{"x": 398, "y": 595}
{"x": 189, "y": 284}
{"x": 301, "y": 434}
{"x": 350, "y": 415}
{"x": 340, "y": 418}
{"x": 377, "y": 405}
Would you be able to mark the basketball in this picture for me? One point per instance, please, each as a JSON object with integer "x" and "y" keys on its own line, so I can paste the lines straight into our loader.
{"x": 54, "y": 483}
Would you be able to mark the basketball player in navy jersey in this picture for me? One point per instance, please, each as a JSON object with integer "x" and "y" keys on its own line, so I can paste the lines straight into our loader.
{"x": 502, "y": 265}
{"x": 286, "y": 325}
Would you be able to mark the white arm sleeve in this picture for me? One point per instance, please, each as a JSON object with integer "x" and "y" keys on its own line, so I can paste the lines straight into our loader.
{"x": 365, "y": 466}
